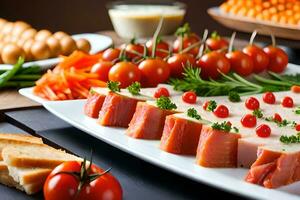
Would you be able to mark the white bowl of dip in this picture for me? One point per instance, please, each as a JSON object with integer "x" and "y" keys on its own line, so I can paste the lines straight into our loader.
{"x": 135, "y": 19}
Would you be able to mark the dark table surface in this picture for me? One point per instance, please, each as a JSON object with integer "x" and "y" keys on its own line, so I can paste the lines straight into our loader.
{"x": 139, "y": 179}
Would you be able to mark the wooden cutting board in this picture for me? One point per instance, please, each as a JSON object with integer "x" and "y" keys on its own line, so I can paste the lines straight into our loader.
{"x": 11, "y": 99}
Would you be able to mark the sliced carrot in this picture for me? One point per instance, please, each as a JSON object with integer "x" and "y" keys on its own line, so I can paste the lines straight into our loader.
{"x": 295, "y": 88}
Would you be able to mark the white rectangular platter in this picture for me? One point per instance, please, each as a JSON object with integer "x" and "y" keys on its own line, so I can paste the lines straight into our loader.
{"x": 227, "y": 179}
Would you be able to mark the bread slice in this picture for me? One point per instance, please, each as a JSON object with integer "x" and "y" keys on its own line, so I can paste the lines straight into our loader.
{"x": 10, "y": 139}
{"x": 35, "y": 156}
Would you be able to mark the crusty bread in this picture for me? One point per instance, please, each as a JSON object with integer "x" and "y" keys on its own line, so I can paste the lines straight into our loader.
{"x": 9, "y": 139}
{"x": 28, "y": 175}
{"x": 35, "y": 156}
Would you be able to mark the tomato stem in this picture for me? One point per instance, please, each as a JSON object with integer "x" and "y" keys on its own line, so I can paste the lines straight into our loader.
{"x": 230, "y": 48}
{"x": 253, "y": 35}
{"x": 155, "y": 36}
{"x": 203, "y": 45}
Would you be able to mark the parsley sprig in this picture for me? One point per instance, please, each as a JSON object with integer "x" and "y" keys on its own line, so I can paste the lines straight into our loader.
{"x": 234, "y": 96}
{"x": 134, "y": 88}
{"x": 192, "y": 112}
{"x": 297, "y": 111}
{"x": 212, "y": 105}
{"x": 290, "y": 139}
{"x": 283, "y": 123}
{"x": 113, "y": 86}
{"x": 258, "y": 113}
{"x": 165, "y": 103}
{"x": 224, "y": 126}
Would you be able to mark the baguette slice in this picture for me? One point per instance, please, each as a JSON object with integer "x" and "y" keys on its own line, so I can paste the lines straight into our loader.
{"x": 10, "y": 139}
{"x": 35, "y": 156}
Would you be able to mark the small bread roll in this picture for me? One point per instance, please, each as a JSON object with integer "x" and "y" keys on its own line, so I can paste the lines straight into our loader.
{"x": 11, "y": 53}
{"x": 68, "y": 45}
{"x": 29, "y": 33}
{"x": 2, "y": 44}
{"x": 19, "y": 28}
{"x": 83, "y": 45}
{"x": 1, "y": 36}
{"x": 2, "y": 22}
{"x": 14, "y": 39}
{"x": 40, "y": 50}
{"x": 54, "y": 46}
{"x": 27, "y": 49}
{"x": 42, "y": 35}
{"x": 60, "y": 34}
{"x": 7, "y": 28}
{"x": 20, "y": 42}
{"x": 7, "y": 38}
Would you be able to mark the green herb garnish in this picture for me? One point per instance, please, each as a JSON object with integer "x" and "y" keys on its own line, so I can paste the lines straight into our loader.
{"x": 258, "y": 113}
{"x": 211, "y": 105}
{"x": 290, "y": 139}
{"x": 234, "y": 96}
{"x": 224, "y": 126}
{"x": 192, "y": 81}
{"x": 134, "y": 88}
{"x": 113, "y": 86}
{"x": 192, "y": 112}
{"x": 165, "y": 103}
{"x": 283, "y": 123}
{"x": 297, "y": 111}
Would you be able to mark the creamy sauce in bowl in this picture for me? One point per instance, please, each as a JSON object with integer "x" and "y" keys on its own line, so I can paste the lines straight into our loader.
{"x": 141, "y": 20}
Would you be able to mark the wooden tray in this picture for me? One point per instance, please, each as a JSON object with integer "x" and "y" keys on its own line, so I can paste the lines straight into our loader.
{"x": 246, "y": 24}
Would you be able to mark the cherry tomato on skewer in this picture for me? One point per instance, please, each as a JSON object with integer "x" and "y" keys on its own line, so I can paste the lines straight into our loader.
{"x": 216, "y": 42}
{"x": 162, "y": 48}
{"x": 240, "y": 63}
{"x": 177, "y": 62}
{"x": 102, "y": 68}
{"x": 111, "y": 54}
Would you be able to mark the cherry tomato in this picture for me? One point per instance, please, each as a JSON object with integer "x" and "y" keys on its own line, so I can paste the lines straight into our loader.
{"x": 277, "y": 117}
{"x": 263, "y": 131}
{"x": 64, "y": 186}
{"x": 216, "y": 42}
{"x": 259, "y": 57}
{"x": 269, "y": 98}
{"x": 189, "y": 97}
{"x": 205, "y": 105}
{"x": 297, "y": 127}
{"x": 252, "y": 103}
{"x": 154, "y": 71}
{"x": 162, "y": 48}
{"x": 211, "y": 63}
{"x": 111, "y": 54}
{"x": 124, "y": 72}
{"x": 248, "y": 121}
{"x": 161, "y": 92}
{"x": 295, "y": 88}
{"x": 278, "y": 59}
{"x": 102, "y": 68}
{"x": 221, "y": 111}
{"x": 240, "y": 63}
{"x": 188, "y": 40}
{"x": 177, "y": 62}
{"x": 287, "y": 102}
{"x": 133, "y": 50}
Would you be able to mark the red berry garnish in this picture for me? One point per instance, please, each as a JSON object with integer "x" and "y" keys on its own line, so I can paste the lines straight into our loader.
{"x": 205, "y": 105}
{"x": 161, "y": 92}
{"x": 287, "y": 102}
{"x": 269, "y": 98}
{"x": 189, "y": 97}
{"x": 221, "y": 111}
{"x": 248, "y": 121}
{"x": 277, "y": 117}
{"x": 263, "y": 131}
{"x": 252, "y": 103}
{"x": 297, "y": 127}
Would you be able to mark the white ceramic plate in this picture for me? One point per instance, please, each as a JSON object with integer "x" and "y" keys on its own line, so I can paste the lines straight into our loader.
{"x": 98, "y": 43}
{"x": 228, "y": 179}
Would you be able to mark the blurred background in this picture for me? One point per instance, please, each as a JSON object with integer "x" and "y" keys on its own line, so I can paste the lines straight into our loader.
{"x": 77, "y": 16}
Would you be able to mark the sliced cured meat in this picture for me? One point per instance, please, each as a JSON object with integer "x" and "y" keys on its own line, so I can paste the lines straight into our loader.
{"x": 147, "y": 122}
{"x": 180, "y": 135}
{"x": 217, "y": 148}
{"x": 117, "y": 110}
{"x": 276, "y": 166}
{"x": 93, "y": 104}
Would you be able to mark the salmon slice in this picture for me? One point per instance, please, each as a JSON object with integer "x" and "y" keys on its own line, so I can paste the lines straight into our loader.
{"x": 94, "y": 104}
{"x": 180, "y": 136}
{"x": 147, "y": 122}
{"x": 217, "y": 148}
{"x": 117, "y": 110}
{"x": 275, "y": 166}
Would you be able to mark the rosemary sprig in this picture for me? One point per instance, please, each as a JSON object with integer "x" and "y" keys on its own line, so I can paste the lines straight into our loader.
{"x": 228, "y": 83}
